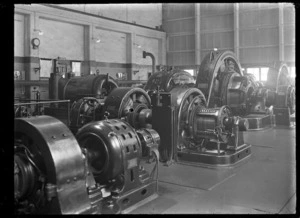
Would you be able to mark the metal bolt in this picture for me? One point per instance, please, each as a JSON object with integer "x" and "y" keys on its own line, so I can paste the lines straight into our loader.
{"x": 54, "y": 137}
{"x": 75, "y": 178}
{"x": 64, "y": 134}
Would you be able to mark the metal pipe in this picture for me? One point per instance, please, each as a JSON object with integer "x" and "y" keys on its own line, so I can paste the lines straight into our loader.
{"x": 43, "y": 102}
{"x": 145, "y": 54}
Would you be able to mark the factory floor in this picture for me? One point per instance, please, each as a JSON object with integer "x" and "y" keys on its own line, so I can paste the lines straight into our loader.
{"x": 263, "y": 184}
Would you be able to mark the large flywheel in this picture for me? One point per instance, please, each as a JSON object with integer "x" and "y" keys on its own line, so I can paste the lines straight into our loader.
{"x": 123, "y": 100}
{"x": 215, "y": 67}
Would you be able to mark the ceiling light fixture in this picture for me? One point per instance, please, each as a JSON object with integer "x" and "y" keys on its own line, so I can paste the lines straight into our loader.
{"x": 139, "y": 46}
{"x": 40, "y": 31}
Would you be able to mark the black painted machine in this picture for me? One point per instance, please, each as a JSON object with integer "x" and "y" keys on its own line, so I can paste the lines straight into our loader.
{"x": 192, "y": 133}
{"x": 99, "y": 171}
{"x": 167, "y": 79}
{"x": 222, "y": 81}
{"x": 118, "y": 104}
{"x": 75, "y": 88}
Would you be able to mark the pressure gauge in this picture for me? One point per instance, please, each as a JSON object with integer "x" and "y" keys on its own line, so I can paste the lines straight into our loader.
{"x": 35, "y": 43}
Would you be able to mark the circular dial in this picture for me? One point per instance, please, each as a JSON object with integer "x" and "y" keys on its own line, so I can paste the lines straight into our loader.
{"x": 35, "y": 42}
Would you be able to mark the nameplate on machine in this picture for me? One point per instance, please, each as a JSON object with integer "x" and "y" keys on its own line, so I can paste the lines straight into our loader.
{"x": 207, "y": 111}
{"x": 131, "y": 163}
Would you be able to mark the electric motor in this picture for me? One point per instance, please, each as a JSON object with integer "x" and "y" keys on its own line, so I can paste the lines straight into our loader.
{"x": 206, "y": 122}
{"x": 112, "y": 147}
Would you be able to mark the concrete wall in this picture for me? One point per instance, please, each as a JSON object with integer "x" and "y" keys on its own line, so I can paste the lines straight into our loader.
{"x": 111, "y": 48}
{"x": 73, "y": 35}
{"x": 144, "y": 14}
{"x": 61, "y": 39}
{"x": 19, "y": 32}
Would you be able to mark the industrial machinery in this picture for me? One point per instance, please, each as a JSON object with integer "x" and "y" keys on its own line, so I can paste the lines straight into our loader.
{"x": 168, "y": 79}
{"x": 99, "y": 171}
{"x": 285, "y": 107}
{"x": 222, "y": 82}
{"x": 113, "y": 150}
{"x": 118, "y": 104}
{"x": 131, "y": 104}
{"x": 192, "y": 133}
{"x": 284, "y": 87}
{"x": 85, "y": 110}
{"x": 75, "y": 88}
{"x": 278, "y": 75}
{"x": 49, "y": 169}
{"x": 22, "y": 111}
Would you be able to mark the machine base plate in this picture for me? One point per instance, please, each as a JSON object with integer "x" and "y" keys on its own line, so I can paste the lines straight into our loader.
{"x": 260, "y": 121}
{"x": 131, "y": 200}
{"x": 211, "y": 160}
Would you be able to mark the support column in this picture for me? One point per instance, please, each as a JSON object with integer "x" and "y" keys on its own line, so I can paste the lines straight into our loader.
{"x": 236, "y": 30}
{"x": 130, "y": 53}
{"x": 162, "y": 52}
{"x": 197, "y": 35}
{"x": 281, "y": 33}
{"x": 85, "y": 66}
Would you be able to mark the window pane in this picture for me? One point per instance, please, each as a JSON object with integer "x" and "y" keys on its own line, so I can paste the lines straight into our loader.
{"x": 190, "y": 71}
{"x": 76, "y": 68}
{"x": 293, "y": 72}
{"x": 46, "y": 67}
{"x": 264, "y": 73}
{"x": 255, "y": 72}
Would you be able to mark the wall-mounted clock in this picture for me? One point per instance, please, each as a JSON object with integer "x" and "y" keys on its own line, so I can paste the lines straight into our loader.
{"x": 35, "y": 43}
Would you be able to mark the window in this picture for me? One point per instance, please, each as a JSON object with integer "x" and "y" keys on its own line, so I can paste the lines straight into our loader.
{"x": 46, "y": 68}
{"x": 293, "y": 72}
{"x": 190, "y": 71}
{"x": 255, "y": 72}
{"x": 76, "y": 68}
{"x": 264, "y": 73}
{"x": 261, "y": 74}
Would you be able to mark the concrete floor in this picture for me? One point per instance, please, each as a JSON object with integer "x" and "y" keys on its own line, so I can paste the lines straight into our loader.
{"x": 264, "y": 184}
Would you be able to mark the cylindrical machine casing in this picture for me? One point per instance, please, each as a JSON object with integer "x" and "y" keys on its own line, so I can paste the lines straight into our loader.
{"x": 109, "y": 144}
{"x": 54, "y": 86}
{"x": 207, "y": 120}
{"x": 88, "y": 86}
{"x": 167, "y": 80}
{"x": 57, "y": 155}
